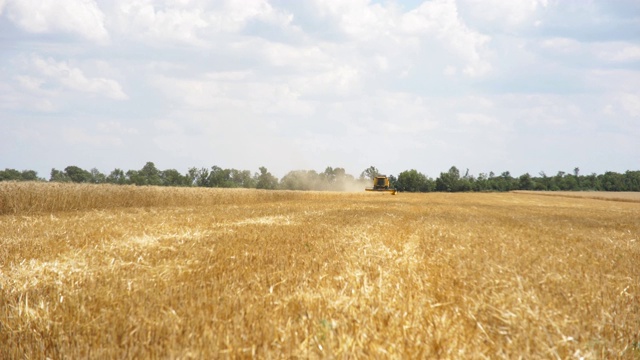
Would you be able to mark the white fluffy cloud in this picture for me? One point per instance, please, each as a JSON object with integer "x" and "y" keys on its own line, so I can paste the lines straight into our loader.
{"x": 189, "y": 22}
{"x": 68, "y": 77}
{"x": 504, "y": 14}
{"x": 434, "y": 26}
{"x": 80, "y": 17}
{"x": 440, "y": 19}
{"x": 144, "y": 19}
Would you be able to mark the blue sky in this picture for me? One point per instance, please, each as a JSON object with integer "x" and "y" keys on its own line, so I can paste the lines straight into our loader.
{"x": 492, "y": 85}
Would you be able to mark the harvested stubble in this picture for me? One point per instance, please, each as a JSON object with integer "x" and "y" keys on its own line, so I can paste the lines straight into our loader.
{"x": 629, "y": 196}
{"x": 302, "y": 274}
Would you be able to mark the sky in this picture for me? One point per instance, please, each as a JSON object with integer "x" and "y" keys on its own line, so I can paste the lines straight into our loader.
{"x": 524, "y": 86}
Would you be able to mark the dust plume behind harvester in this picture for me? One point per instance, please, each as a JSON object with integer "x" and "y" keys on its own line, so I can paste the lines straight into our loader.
{"x": 381, "y": 184}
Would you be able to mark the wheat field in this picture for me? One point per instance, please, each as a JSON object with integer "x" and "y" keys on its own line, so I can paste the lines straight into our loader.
{"x": 99, "y": 271}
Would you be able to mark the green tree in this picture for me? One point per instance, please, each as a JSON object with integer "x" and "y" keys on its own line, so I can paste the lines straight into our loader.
{"x": 576, "y": 174}
{"x": 134, "y": 177}
{"x": 117, "y": 176}
{"x": 151, "y": 174}
{"x": 570, "y": 183}
{"x": 191, "y": 176}
{"x": 481, "y": 183}
{"x": 96, "y": 177}
{"x": 29, "y": 175}
{"x": 59, "y": 176}
{"x": 77, "y": 175}
{"x": 525, "y": 182}
{"x": 504, "y": 182}
{"x": 544, "y": 182}
{"x": 202, "y": 177}
{"x": 393, "y": 181}
{"x": 172, "y": 177}
{"x": 264, "y": 180}
{"x": 448, "y": 181}
{"x": 589, "y": 182}
{"x": 10, "y": 175}
{"x": 612, "y": 181}
{"x": 632, "y": 180}
{"x": 369, "y": 173}
{"x": 466, "y": 182}
{"x": 557, "y": 182}
{"x": 242, "y": 178}
{"x": 219, "y": 177}
{"x": 509, "y": 182}
{"x": 412, "y": 181}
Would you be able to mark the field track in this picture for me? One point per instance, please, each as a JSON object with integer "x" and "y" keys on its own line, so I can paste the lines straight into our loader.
{"x": 127, "y": 272}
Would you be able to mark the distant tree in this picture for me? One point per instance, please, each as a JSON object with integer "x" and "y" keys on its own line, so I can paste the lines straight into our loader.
{"x": 15, "y": 175}
{"x": 632, "y": 180}
{"x": 134, "y": 177}
{"x": 202, "y": 177}
{"x": 509, "y": 182}
{"x": 117, "y": 176}
{"x": 10, "y": 175}
{"x": 295, "y": 180}
{"x": 172, "y": 177}
{"x": 96, "y": 177}
{"x": 412, "y": 181}
{"x": 481, "y": 183}
{"x": 242, "y": 178}
{"x": 59, "y": 176}
{"x": 340, "y": 173}
{"x": 589, "y": 182}
{"x": 77, "y": 175}
{"x": 150, "y": 174}
{"x": 557, "y": 182}
{"x": 466, "y": 182}
{"x": 30, "y": 175}
{"x": 544, "y": 182}
{"x": 525, "y": 182}
{"x": 448, "y": 181}
{"x": 219, "y": 177}
{"x": 570, "y": 183}
{"x": 369, "y": 173}
{"x": 328, "y": 176}
{"x": 393, "y": 181}
{"x": 613, "y": 181}
{"x": 264, "y": 179}
{"x": 339, "y": 179}
{"x": 191, "y": 176}
{"x": 504, "y": 182}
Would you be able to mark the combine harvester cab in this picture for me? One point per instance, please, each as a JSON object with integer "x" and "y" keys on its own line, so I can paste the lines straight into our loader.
{"x": 381, "y": 184}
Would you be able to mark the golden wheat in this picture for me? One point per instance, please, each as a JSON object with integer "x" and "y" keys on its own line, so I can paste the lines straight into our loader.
{"x": 202, "y": 273}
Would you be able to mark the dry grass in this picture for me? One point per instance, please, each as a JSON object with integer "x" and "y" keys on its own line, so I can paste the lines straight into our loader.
{"x": 627, "y": 196}
{"x": 196, "y": 273}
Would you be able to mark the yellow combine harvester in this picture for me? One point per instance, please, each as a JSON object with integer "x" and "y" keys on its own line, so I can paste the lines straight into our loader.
{"x": 381, "y": 184}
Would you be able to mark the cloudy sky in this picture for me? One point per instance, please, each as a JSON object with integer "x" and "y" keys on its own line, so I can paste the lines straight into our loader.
{"x": 488, "y": 85}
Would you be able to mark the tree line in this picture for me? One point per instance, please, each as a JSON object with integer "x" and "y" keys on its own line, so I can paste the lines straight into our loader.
{"x": 453, "y": 181}
{"x": 337, "y": 179}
